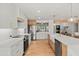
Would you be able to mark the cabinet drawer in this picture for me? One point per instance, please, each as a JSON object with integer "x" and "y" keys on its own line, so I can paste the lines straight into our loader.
{"x": 17, "y": 48}
{"x": 14, "y": 50}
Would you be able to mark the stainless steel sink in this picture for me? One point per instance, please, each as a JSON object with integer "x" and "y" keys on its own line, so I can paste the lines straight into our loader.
{"x": 17, "y": 36}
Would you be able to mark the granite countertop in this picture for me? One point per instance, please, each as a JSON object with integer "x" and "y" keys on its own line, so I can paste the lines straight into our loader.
{"x": 68, "y": 40}
{"x": 25, "y": 34}
{"x": 71, "y": 35}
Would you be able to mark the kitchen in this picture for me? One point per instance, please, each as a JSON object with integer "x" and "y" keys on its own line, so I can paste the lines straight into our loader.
{"x": 25, "y": 25}
{"x": 65, "y": 38}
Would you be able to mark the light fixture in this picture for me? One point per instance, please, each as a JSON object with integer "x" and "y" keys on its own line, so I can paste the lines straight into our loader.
{"x": 38, "y": 11}
{"x": 71, "y": 18}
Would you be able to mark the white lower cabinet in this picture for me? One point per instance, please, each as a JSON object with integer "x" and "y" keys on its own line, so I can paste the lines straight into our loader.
{"x": 15, "y": 49}
{"x": 41, "y": 35}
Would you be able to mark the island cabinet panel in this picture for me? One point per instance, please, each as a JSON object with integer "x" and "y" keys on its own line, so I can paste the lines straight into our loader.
{"x": 51, "y": 43}
{"x": 64, "y": 50}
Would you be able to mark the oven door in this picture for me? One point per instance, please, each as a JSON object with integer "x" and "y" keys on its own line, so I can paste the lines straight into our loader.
{"x": 25, "y": 43}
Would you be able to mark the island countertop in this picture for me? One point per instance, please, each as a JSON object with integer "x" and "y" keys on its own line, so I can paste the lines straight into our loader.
{"x": 9, "y": 42}
{"x": 68, "y": 40}
{"x": 72, "y": 43}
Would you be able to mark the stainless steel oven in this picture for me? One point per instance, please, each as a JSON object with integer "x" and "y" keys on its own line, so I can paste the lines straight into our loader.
{"x": 25, "y": 43}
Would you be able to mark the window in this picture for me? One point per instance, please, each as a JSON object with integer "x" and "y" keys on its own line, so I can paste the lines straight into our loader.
{"x": 42, "y": 27}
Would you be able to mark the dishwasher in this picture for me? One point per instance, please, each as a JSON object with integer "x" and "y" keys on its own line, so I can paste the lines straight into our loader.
{"x": 58, "y": 48}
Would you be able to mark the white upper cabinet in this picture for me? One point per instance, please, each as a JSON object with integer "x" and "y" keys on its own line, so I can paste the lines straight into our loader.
{"x": 75, "y": 9}
{"x": 20, "y": 12}
{"x": 61, "y": 10}
{"x": 8, "y": 13}
{"x": 13, "y": 13}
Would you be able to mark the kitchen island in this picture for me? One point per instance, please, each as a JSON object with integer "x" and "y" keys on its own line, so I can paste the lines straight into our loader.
{"x": 12, "y": 47}
{"x": 70, "y": 43}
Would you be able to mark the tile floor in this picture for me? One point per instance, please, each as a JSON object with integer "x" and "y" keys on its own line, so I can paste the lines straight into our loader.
{"x": 39, "y": 48}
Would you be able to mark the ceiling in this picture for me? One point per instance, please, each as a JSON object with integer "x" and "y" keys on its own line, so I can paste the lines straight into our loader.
{"x": 49, "y": 10}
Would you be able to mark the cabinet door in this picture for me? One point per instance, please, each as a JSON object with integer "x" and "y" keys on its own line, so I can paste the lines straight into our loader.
{"x": 20, "y": 48}
{"x": 14, "y": 50}
{"x": 52, "y": 45}
{"x": 64, "y": 50}
{"x": 17, "y": 49}
{"x": 75, "y": 9}
{"x": 7, "y": 15}
{"x": 13, "y": 15}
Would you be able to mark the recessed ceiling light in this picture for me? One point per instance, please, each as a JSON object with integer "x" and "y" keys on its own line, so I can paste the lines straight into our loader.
{"x": 71, "y": 19}
{"x": 38, "y": 11}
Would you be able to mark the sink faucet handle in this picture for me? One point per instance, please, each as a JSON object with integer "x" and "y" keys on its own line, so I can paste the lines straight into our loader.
{"x": 10, "y": 35}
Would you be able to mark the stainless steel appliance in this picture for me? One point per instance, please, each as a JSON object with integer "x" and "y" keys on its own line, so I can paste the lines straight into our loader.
{"x": 58, "y": 48}
{"x": 25, "y": 43}
{"x": 57, "y": 28}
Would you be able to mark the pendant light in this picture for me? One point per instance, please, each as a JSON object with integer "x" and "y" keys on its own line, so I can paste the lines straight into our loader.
{"x": 54, "y": 19}
{"x": 71, "y": 19}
